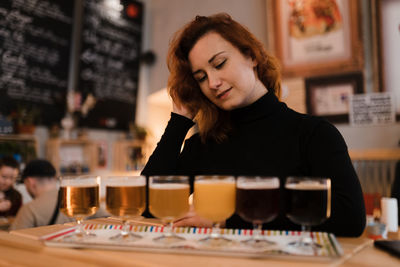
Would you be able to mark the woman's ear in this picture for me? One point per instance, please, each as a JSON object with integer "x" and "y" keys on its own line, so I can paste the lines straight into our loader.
{"x": 248, "y": 53}
{"x": 255, "y": 63}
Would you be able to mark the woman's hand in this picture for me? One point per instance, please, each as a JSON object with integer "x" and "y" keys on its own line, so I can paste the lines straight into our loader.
{"x": 192, "y": 219}
{"x": 180, "y": 109}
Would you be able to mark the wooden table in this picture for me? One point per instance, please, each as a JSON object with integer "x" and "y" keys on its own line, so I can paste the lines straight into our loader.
{"x": 22, "y": 247}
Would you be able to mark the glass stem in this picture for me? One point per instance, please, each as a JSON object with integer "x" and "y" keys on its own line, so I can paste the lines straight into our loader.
{"x": 307, "y": 234}
{"x": 257, "y": 228}
{"x": 79, "y": 229}
{"x": 125, "y": 227}
{"x": 216, "y": 231}
{"x": 169, "y": 229}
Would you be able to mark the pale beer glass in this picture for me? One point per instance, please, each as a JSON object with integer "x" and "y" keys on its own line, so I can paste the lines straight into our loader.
{"x": 214, "y": 199}
{"x": 257, "y": 201}
{"x": 169, "y": 200}
{"x": 79, "y": 198}
{"x": 308, "y": 203}
{"x": 126, "y": 199}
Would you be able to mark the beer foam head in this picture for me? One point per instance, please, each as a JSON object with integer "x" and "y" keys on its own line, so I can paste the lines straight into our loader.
{"x": 169, "y": 186}
{"x": 126, "y": 181}
{"x": 307, "y": 185}
{"x": 258, "y": 184}
{"x": 214, "y": 179}
{"x": 85, "y": 182}
{"x": 214, "y": 182}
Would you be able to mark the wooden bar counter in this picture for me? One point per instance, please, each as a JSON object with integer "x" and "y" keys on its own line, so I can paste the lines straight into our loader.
{"x": 22, "y": 248}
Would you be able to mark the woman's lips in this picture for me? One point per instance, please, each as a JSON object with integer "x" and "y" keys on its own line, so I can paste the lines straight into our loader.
{"x": 224, "y": 94}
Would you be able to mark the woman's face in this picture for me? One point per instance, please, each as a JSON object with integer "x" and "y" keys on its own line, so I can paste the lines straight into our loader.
{"x": 8, "y": 176}
{"x": 225, "y": 76}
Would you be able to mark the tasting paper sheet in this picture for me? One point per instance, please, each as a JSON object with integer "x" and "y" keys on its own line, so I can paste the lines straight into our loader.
{"x": 330, "y": 247}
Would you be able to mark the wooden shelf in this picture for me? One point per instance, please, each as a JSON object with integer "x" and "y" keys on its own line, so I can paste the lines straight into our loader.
{"x": 17, "y": 137}
{"x": 64, "y": 153}
{"x": 129, "y": 155}
{"x": 375, "y": 154}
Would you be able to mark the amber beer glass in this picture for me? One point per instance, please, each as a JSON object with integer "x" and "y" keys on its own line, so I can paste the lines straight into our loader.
{"x": 169, "y": 200}
{"x": 257, "y": 201}
{"x": 79, "y": 198}
{"x": 308, "y": 203}
{"x": 126, "y": 199}
{"x": 214, "y": 199}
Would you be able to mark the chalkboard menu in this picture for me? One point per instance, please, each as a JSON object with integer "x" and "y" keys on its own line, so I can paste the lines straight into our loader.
{"x": 109, "y": 61}
{"x": 35, "y": 41}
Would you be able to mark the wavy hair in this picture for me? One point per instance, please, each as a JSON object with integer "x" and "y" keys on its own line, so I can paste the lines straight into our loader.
{"x": 213, "y": 122}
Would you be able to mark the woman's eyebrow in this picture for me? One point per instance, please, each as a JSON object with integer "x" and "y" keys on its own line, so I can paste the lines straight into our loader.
{"x": 214, "y": 56}
{"x": 209, "y": 61}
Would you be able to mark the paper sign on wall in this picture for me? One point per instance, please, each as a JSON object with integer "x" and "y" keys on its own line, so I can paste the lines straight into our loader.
{"x": 372, "y": 109}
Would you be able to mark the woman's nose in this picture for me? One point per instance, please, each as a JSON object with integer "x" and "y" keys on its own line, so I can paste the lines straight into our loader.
{"x": 214, "y": 81}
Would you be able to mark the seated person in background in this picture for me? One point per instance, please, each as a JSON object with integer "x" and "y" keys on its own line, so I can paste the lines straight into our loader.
{"x": 222, "y": 78}
{"x": 41, "y": 183}
{"x": 10, "y": 199}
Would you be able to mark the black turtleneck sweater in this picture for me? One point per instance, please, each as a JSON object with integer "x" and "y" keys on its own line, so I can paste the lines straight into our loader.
{"x": 269, "y": 139}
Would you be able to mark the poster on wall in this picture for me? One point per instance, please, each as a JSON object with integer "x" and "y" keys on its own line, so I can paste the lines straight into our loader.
{"x": 328, "y": 96}
{"x": 390, "y": 47}
{"x": 109, "y": 63}
{"x": 372, "y": 109}
{"x": 35, "y": 43}
{"x": 317, "y": 37}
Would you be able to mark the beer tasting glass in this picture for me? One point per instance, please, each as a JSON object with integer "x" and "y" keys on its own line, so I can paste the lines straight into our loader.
{"x": 214, "y": 199}
{"x": 308, "y": 203}
{"x": 125, "y": 198}
{"x": 257, "y": 201}
{"x": 79, "y": 198}
{"x": 169, "y": 200}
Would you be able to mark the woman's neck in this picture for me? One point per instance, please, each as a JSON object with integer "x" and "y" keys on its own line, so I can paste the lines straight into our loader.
{"x": 257, "y": 92}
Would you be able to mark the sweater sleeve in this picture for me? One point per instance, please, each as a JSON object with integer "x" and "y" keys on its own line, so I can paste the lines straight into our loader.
{"x": 165, "y": 157}
{"x": 327, "y": 156}
{"x": 25, "y": 218}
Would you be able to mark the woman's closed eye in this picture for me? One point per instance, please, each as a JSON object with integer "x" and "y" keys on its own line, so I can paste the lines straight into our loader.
{"x": 220, "y": 65}
{"x": 201, "y": 78}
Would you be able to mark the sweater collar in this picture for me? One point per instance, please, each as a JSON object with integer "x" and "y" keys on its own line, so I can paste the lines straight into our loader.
{"x": 263, "y": 107}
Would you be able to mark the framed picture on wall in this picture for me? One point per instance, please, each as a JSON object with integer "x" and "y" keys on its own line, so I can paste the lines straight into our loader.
{"x": 388, "y": 63}
{"x": 328, "y": 96}
{"x": 314, "y": 38}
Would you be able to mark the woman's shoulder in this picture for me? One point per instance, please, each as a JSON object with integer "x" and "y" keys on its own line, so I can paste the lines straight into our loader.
{"x": 310, "y": 125}
{"x": 193, "y": 139}
{"x": 309, "y": 121}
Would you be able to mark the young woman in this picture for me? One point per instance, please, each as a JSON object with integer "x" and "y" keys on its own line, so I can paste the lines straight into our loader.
{"x": 222, "y": 78}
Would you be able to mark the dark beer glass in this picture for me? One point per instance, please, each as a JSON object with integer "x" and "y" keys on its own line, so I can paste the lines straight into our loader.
{"x": 308, "y": 203}
{"x": 257, "y": 201}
